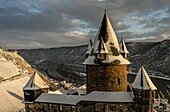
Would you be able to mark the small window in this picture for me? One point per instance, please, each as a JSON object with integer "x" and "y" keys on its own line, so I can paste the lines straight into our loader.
{"x": 27, "y": 93}
{"x": 102, "y": 56}
{"x": 118, "y": 81}
{"x": 61, "y": 108}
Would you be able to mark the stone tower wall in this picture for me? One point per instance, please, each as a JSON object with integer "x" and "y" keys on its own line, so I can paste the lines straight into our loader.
{"x": 144, "y": 99}
{"x": 106, "y": 78}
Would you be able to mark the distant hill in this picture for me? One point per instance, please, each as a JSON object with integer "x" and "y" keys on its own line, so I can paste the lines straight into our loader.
{"x": 154, "y": 56}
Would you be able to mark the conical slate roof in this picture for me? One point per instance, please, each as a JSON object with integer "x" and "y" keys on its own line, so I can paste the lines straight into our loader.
{"x": 142, "y": 81}
{"x": 102, "y": 47}
{"x": 123, "y": 48}
{"x": 35, "y": 83}
{"x": 106, "y": 39}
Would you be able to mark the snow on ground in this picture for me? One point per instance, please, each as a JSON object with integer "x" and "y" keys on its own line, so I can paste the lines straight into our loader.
{"x": 2, "y": 59}
{"x": 8, "y": 70}
{"x": 11, "y": 95}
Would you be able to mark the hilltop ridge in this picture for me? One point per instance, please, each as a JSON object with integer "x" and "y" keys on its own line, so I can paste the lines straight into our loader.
{"x": 156, "y": 55}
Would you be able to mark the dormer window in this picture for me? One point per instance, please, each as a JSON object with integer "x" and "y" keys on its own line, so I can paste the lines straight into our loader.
{"x": 27, "y": 93}
{"x": 103, "y": 56}
{"x": 98, "y": 56}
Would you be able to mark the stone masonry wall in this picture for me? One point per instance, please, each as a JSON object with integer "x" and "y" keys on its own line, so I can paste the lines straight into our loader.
{"x": 106, "y": 78}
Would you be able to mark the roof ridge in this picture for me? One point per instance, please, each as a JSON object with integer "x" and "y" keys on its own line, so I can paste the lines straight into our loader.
{"x": 142, "y": 81}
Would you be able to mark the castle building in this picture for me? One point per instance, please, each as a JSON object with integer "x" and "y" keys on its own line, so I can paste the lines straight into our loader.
{"x": 144, "y": 90}
{"x": 106, "y": 81}
{"x": 123, "y": 50}
{"x": 106, "y": 68}
{"x": 34, "y": 87}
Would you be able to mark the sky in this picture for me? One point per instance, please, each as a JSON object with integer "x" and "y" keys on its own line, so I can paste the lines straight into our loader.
{"x": 26, "y": 24}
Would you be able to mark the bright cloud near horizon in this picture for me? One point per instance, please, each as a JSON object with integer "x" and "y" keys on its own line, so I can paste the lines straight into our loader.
{"x": 53, "y": 23}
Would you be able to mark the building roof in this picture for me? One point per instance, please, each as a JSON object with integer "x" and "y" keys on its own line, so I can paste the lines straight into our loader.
{"x": 142, "y": 81}
{"x": 58, "y": 99}
{"x": 102, "y": 47}
{"x": 114, "y": 60}
{"x": 55, "y": 92}
{"x": 123, "y": 48}
{"x": 106, "y": 42}
{"x": 35, "y": 83}
{"x": 95, "y": 96}
{"x": 100, "y": 96}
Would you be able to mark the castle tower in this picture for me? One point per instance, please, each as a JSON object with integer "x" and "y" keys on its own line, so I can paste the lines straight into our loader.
{"x": 144, "y": 91}
{"x": 34, "y": 87}
{"x": 106, "y": 68}
{"x": 123, "y": 50}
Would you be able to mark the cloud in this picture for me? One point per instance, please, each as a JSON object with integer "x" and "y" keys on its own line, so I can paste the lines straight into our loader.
{"x": 165, "y": 35}
{"x": 140, "y": 39}
{"x": 42, "y": 23}
{"x": 146, "y": 26}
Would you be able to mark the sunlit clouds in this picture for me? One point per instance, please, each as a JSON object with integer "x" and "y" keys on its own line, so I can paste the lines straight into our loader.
{"x": 53, "y": 23}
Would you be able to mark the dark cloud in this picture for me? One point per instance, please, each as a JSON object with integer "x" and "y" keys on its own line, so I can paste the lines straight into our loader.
{"x": 42, "y": 23}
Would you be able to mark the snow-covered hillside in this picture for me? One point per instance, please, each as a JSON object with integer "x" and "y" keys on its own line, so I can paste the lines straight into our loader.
{"x": 154, "y": 56}
{"x": 14, "y": 74}
{"x": 13, "y": 66}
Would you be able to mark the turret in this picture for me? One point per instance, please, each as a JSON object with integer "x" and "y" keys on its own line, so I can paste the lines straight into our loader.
{"x": 144, "y": 91}
{"x": 101, "y": 52}
{"x": 34, "y": 87}
{"x": 105, "y": 66}
{"x": 123, "y": 50}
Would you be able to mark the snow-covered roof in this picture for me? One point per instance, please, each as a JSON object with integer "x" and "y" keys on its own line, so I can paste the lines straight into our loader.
{"x": 107, "y": 33}
{"x": 103, "y": 48}
{"x": 55, "y": 92}
{"x": 142, "y": 81}
{"x": 58, "y": 99}
{"x": 106, "y": 42}
{"x": 95, "y": 96}
{"x": 123, "y": 48}
{"x": 100, "y": 96}
{"x": 35, "y": 82}
{"x": 83, "y": 86}
{"x": 114, "y": 60}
